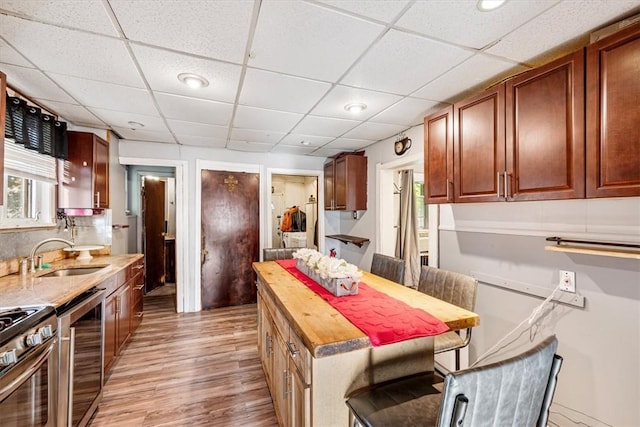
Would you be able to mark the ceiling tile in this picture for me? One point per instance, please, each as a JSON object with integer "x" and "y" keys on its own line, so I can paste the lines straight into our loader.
{"x": 255, "y": 147}
{"x": 534, "y": 38}
{"x": 349, "y": 144}
{"x": 92, "y": 16}
{"x": 392, "y": 64}
{"x": 324, "y": 126}
{"x": 58, "y": 50}
{"x": 279, "y": 92}
{"x": 9, "y": 55}
{"x": 374, "y": 131}
{"x": 471, "y": 73}
{"x": 144, "y": 135}
{"x": 333, "y": 105}
{"x": 250, "y": 135}
{"x": 33, "y": 83}
{"x": 122, "y": 119}
{"x": 406, "y": 113}
{"x": 182, "y": 129}
{"x": 270, "y": 120}
{"x": 71, "y": 112}
{"x": 307, "y": 40}
{"x": 384, "y": 11}
{"x": 292, "y": 149}
{"x": 194, "y": 110}
{"x": 171, "y": 24}
{"x": 200, "y": 141}
{"x": 461, "y": 22}
{"x": 314, "y": 141}
{"x": 161, "y": 69}
{"x": 108, "y": 96}
{"x": 327, "y": 152}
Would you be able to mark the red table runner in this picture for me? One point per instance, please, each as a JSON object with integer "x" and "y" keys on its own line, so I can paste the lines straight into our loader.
{"x": 383, "y": 318}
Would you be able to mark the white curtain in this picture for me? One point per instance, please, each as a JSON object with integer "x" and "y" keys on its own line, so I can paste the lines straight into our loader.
{"x": 407, "y": 241}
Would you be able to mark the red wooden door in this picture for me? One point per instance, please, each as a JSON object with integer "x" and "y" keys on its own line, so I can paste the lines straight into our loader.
{"x": 154, "y": 229}
{"x": 230, "y": 237}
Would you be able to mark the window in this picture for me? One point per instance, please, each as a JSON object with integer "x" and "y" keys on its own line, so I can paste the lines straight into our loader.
{"x": 29, "y": 192}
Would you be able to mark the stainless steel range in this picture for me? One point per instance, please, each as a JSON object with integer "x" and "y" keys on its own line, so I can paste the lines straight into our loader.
{"x": 28, "y": 366}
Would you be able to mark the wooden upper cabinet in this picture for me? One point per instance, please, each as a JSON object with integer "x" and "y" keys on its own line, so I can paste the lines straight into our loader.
{"x": 3, "y": 109}
{"x": 346, "y": 183}
{"x": 86, "y": 172}
{"x": 438, "y": 157}
{"x": 328, "y": 186}
{"x": 613, "y": 115}
{"x": 479, "y": 146}
{"x": 545, "y": 131}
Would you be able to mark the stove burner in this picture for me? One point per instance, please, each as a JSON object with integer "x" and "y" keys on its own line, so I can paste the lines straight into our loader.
{"x": 13, "y": 316}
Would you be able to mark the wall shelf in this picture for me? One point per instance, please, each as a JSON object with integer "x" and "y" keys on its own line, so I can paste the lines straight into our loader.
{"x": 611, "y": 249}
{"x": 358, "y": 241}
{"x": 618, "y": 253}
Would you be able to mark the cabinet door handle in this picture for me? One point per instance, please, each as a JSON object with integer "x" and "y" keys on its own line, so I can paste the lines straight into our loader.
{"x": 138, "y": 267}
{"x": 506, "y": 185}
{"x": 137, "y": 288}
{"x": 97, "y": 199}
{"x": 285, "y": 387}
{"x": 292, "y": 349}
{"x": 140, "y": 314}
{"x": 498, "y": 184}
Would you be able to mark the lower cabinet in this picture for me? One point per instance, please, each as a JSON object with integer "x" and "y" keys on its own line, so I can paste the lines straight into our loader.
{"x": 123, "y": 311}
{"x": 286, "y": 363}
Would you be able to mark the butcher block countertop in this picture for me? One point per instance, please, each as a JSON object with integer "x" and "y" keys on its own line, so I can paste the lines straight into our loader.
{"x": 32, "y": 289}
{"x": 324, "y": 330}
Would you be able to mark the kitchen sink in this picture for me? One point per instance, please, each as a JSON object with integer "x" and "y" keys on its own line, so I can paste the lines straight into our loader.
{"x": 74, "y": 271}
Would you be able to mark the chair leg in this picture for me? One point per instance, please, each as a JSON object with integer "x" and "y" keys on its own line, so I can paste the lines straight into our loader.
{"x": 457, "y": 359}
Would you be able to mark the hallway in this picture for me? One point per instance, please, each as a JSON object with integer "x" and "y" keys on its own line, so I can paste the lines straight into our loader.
{"x": 195, "y": 369}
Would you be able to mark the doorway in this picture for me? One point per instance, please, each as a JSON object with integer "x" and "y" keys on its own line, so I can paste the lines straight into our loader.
{"x": 294, "y": 211}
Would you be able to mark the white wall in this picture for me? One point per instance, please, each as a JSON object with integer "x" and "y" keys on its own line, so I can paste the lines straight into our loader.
{"x": 138, "y": 153}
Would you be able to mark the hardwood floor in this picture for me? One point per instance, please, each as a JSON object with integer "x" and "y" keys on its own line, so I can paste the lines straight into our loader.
{"x": 189, "y": 369}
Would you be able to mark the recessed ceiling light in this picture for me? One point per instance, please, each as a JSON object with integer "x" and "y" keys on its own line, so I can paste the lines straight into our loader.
{"x": 355, "y": 107}
{"x": 489, "y": 5}
{"x": 305, "y": 143}
{"x": 135, "y": 125}
{"x": 193, "y": 80}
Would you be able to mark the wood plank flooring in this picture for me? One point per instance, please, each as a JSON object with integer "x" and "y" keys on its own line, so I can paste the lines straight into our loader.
{"x": 195, "y": 369}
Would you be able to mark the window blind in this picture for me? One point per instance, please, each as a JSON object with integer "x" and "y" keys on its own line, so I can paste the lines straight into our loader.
{"x": 30, "y": 164}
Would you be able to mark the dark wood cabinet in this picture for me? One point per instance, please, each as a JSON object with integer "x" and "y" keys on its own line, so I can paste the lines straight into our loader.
{"x": 613, "y": 115}
{"x": 519, "y": 140}
{"x": 438, "y": 156}
{"x": 123, "y": 311}
{"x": 137, "y": 305}
{"x": 86, "y": 172}
{"x": 479, "y": 146}
{"x": 545, "y": 131}
{"x": 3, "y": 110}
{"x": 345, "y": 181}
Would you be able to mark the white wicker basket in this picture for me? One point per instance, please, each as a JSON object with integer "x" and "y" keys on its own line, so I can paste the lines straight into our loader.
{"x": 338, "y": 286}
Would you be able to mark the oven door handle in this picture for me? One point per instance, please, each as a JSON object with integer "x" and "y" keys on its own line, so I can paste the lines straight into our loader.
{"x": 28, "y": 372}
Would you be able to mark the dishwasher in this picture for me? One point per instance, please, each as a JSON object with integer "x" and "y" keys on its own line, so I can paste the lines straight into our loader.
{"x": 81, "y": 357}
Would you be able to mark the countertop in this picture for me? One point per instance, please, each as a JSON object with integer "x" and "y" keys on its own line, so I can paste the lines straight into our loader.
{"x": 16, "y": 290}
{"x": 324, "y": 330}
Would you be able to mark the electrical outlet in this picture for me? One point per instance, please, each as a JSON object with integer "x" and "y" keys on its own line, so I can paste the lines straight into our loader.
{"x": 568, "y": 281}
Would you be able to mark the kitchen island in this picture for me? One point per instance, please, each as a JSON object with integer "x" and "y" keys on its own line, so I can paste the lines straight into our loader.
{"x": 313, "y": 356}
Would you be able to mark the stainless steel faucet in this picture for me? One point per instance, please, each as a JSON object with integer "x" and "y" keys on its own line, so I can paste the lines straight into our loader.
{"x": 37, "y": 246}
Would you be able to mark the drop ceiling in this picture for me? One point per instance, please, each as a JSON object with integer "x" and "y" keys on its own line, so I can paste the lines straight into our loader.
{"x": 280, "y": 72}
